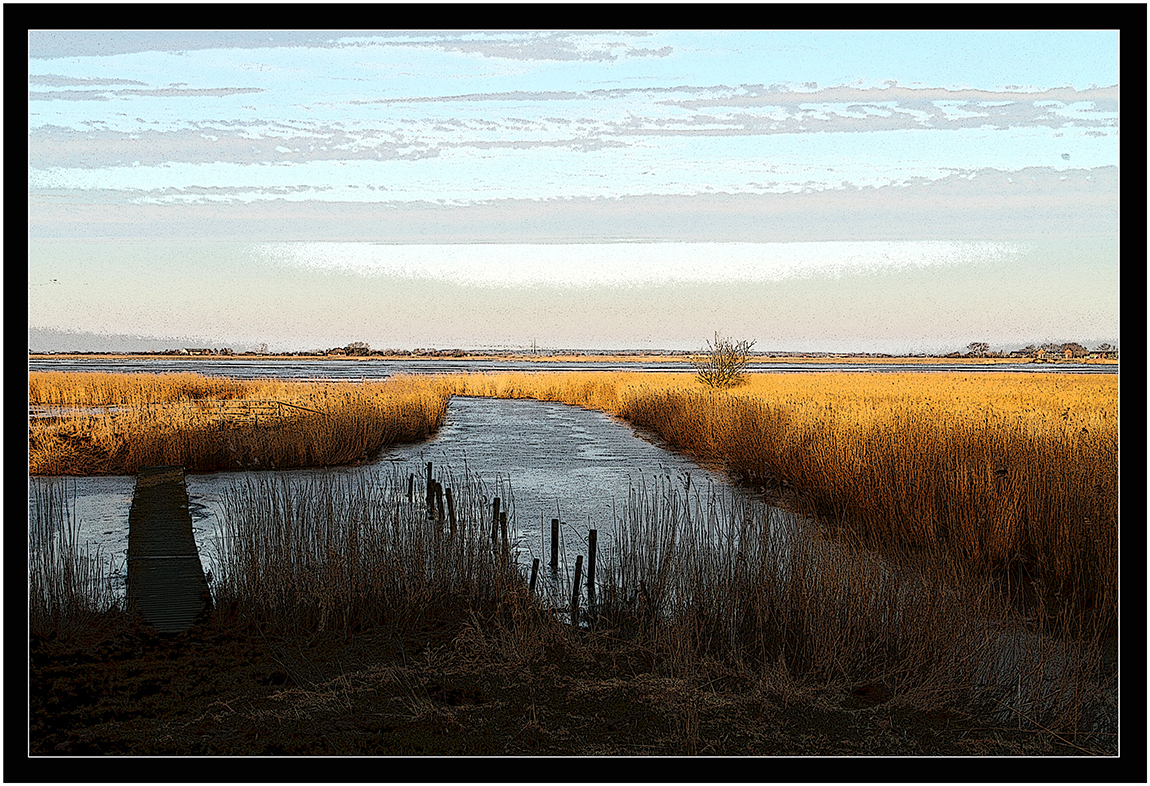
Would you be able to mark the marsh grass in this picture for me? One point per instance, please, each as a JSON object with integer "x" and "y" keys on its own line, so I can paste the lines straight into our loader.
{"x": 66, "y": 586}
{"x": 954, "y": 528}
{"x": 703, "y": 581}
{"x": 713, "y": 576}
{"x": 118, "y": 423}
{"x": 340, "y": 554}
{"x": 1016, "y": 475}
{"x": 700, "y": 584}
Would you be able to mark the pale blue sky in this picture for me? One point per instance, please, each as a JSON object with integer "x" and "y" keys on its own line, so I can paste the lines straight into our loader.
{"x": 678, "y": 140}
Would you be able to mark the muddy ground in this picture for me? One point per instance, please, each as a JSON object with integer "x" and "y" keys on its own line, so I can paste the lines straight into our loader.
{"x": 116, "y": 688}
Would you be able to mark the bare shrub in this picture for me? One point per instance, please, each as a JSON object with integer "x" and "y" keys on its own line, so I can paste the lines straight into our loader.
{"x": 723, "y": 364}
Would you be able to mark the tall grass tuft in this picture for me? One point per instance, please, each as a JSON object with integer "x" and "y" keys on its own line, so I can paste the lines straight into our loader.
{"x": 341, "y": 554}
{"x": 710, "y": 576}
{"x": 66, "y": 586}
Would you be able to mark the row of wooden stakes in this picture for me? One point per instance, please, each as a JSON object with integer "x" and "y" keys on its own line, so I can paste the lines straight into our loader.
{"x": 437, "y": 494}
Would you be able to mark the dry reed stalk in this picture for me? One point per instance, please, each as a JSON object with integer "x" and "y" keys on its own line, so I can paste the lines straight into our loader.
{"x": 721, "y": 577}
{"x": 66, "y": 587}
{"x": 334, "y": 553}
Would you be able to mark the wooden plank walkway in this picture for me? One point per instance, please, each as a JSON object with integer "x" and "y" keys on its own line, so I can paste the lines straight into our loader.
{"x": 166, "y": 582}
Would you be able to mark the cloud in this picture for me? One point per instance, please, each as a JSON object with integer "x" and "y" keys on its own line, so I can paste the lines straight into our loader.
{"x": 846, "y": 109}
{"x": 536, "y": 46}
{"x": 241, "y": 143}
{"x": 165, "y": 92}
{"x": 775, "y": 95}
{"x": 554, "y": 46}
{"x": 55, "y": 80}
{"x": 714, "y": 111}
{"x": 989, "y": 204}
{"x": 51, "y": 44}
{"x": 210, "y": 142}
{"x": 627, "y": 264}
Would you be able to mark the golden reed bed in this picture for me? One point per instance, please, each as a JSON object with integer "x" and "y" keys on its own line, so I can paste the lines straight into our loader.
{"x": 127, "y": 421}
{"x": 1016, "y": 472}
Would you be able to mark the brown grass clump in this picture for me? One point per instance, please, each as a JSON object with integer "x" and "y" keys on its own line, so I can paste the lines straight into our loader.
{"x": 710, "y": 576}
{"x": 97, "y": 389}
{"x": 343, "y": 554}
{"x": 117, "y": 423}
{"x": 66, "y": 588}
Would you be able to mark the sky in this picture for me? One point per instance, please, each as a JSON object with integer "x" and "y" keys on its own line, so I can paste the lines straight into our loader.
{"x": 881, "y": 191}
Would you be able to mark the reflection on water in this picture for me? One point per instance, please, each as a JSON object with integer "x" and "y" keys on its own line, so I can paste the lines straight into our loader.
{"x": 551, "y": 460}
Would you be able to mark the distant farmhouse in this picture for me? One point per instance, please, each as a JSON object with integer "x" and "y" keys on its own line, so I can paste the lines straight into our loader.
{"x": 204, "y": 351}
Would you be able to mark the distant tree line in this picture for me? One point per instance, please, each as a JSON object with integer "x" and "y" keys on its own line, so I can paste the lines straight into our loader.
{"x": 980, "y": 349}
{"x": 362, "y": 349}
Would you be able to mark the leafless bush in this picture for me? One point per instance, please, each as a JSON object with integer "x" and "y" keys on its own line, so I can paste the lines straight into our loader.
{"x": 724, "y": 362}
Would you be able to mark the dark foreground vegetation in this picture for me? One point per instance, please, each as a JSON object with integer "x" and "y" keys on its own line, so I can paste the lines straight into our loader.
{"x": 348, "y": 621}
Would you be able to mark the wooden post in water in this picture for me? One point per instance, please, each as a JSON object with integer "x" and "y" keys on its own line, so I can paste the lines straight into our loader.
{"x": 410, "y": 487}
{"x": 534, "y": 575}
{"x": 592, "y": 535}
{"x": 554, "y": 544}
{"x": 451, "y": 511}
{"x": 503, "y": 531}
{"x": 430, "y": 492}
{"x": 495, "y": 522}
{"x": 438, "y": 502}
{"x": 575, "y": 591}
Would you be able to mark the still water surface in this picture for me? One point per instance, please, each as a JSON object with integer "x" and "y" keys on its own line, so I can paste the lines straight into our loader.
{"x": 240, "y": 368}
{"x": 549, "y": 460}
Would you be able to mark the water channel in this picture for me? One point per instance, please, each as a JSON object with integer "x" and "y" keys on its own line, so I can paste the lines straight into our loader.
{"x": 547, "y": 460}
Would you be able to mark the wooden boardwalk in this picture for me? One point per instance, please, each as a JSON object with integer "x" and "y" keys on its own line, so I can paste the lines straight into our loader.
{"x": 166, "y": 582}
